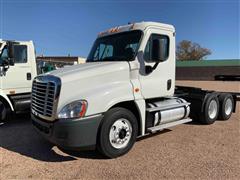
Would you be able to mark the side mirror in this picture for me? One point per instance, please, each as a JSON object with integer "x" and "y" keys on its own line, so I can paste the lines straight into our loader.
{"x": 10, "y": 54}
{"x": 159, "y": 52}
{"x": 11, "y": 61}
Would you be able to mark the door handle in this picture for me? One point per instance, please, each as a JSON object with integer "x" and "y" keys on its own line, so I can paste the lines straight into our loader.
{"x": 169, "y": 84}
{"x": 29, "y": 76}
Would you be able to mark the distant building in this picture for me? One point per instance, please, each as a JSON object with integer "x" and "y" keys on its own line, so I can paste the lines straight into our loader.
{"x": 68, "y": 60}
{"x": 208, "y": 69}
{"x": 81, "y": 60}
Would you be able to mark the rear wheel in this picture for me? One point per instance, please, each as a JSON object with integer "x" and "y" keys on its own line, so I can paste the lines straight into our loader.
{"x": 226, "y": 106}
{"x": 118, "y": 132}
{"x": 210, "y": 110}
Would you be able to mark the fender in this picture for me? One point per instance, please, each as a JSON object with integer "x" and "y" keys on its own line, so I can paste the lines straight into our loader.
{"x": 141, "y": 105}
{"x": 5, "y": 97}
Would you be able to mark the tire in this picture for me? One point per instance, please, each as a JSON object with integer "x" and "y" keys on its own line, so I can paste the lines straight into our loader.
{"x": 210, "y": 110}
{"x": 226, "y": 106}
{"x": 118, "y": 132}
{"x": 4, "y": 112}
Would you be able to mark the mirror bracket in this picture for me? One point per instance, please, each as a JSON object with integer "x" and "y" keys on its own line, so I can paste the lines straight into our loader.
{"x": 150, "y": 69}
{"x": 11, "y": 61}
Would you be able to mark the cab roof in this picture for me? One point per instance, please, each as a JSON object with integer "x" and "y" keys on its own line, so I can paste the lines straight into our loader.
{"x": 5, "y": 40}
{"x": 137, "y": 26}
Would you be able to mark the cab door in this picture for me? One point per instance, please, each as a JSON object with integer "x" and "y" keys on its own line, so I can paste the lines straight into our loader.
{"x": 161, "y": 81}
{"x": 18, "y": 78}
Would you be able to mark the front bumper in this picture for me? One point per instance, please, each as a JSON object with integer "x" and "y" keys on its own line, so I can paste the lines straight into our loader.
{"x": 70, "y": 133}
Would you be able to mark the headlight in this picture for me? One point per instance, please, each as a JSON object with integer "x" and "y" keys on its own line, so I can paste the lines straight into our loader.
{"x": 75, "y": 109}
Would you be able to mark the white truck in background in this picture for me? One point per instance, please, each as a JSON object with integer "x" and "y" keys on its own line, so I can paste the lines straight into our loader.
{"x": 124, "y": 91}
{"x": 17, "y": 70}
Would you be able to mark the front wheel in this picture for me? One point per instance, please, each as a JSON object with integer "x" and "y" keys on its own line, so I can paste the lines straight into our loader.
{"x": 3, "y": 112}
{"x": 118, "y": 132}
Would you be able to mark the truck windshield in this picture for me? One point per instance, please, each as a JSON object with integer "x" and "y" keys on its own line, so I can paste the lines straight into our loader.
{"x": 117, "y": 47}
{"x": 0, "y": 48}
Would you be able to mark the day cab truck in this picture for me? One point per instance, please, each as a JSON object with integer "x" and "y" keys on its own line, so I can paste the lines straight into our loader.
{"x": 125, "y": 90}
{"x": 17, "y": 70}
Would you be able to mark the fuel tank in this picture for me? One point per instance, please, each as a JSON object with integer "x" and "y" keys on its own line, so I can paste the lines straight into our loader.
{"x": 169, "y": 110}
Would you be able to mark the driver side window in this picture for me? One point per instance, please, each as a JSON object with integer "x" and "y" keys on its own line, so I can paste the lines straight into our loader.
{"x": 20, "y": 53}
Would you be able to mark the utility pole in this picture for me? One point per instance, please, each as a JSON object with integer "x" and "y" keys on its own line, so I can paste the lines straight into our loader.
{"x": 1, "y": 19}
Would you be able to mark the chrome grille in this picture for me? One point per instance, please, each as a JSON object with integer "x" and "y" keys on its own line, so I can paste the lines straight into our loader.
{"x": 45, "y": 92}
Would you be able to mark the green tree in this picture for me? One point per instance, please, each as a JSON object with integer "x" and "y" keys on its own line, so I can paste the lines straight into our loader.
{"x": 187, "y": 50}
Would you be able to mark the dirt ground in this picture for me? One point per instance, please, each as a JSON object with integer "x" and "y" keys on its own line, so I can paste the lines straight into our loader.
{"x": 189, "y": 151}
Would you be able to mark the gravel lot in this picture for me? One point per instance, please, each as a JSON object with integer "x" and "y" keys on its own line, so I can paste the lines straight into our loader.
{"x": 189, "y": 151}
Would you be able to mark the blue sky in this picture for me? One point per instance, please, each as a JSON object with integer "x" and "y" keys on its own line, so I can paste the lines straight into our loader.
{"x": 62, "y": 27}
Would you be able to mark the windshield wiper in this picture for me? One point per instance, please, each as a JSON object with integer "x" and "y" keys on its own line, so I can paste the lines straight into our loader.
{"x": 116, "y": 58}
{"x": 107, "y": 59}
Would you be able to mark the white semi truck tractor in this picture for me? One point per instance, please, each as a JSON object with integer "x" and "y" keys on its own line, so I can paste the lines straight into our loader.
{"x": 17, "y": 70}
{"x": 125, "y": 90}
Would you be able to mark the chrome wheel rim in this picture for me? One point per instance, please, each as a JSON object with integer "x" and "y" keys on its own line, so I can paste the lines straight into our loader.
{"x": 228, "y": 106}
{"x": 120, "y": 133}
{"x": 212, "y": 109}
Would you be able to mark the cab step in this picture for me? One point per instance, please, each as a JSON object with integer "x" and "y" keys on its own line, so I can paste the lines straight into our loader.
{"x": 167, "y": 125}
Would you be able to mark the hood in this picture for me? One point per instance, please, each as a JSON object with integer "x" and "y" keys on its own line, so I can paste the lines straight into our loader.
{"x": 87, "y": 70}
{"x": 100, "y": 83}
